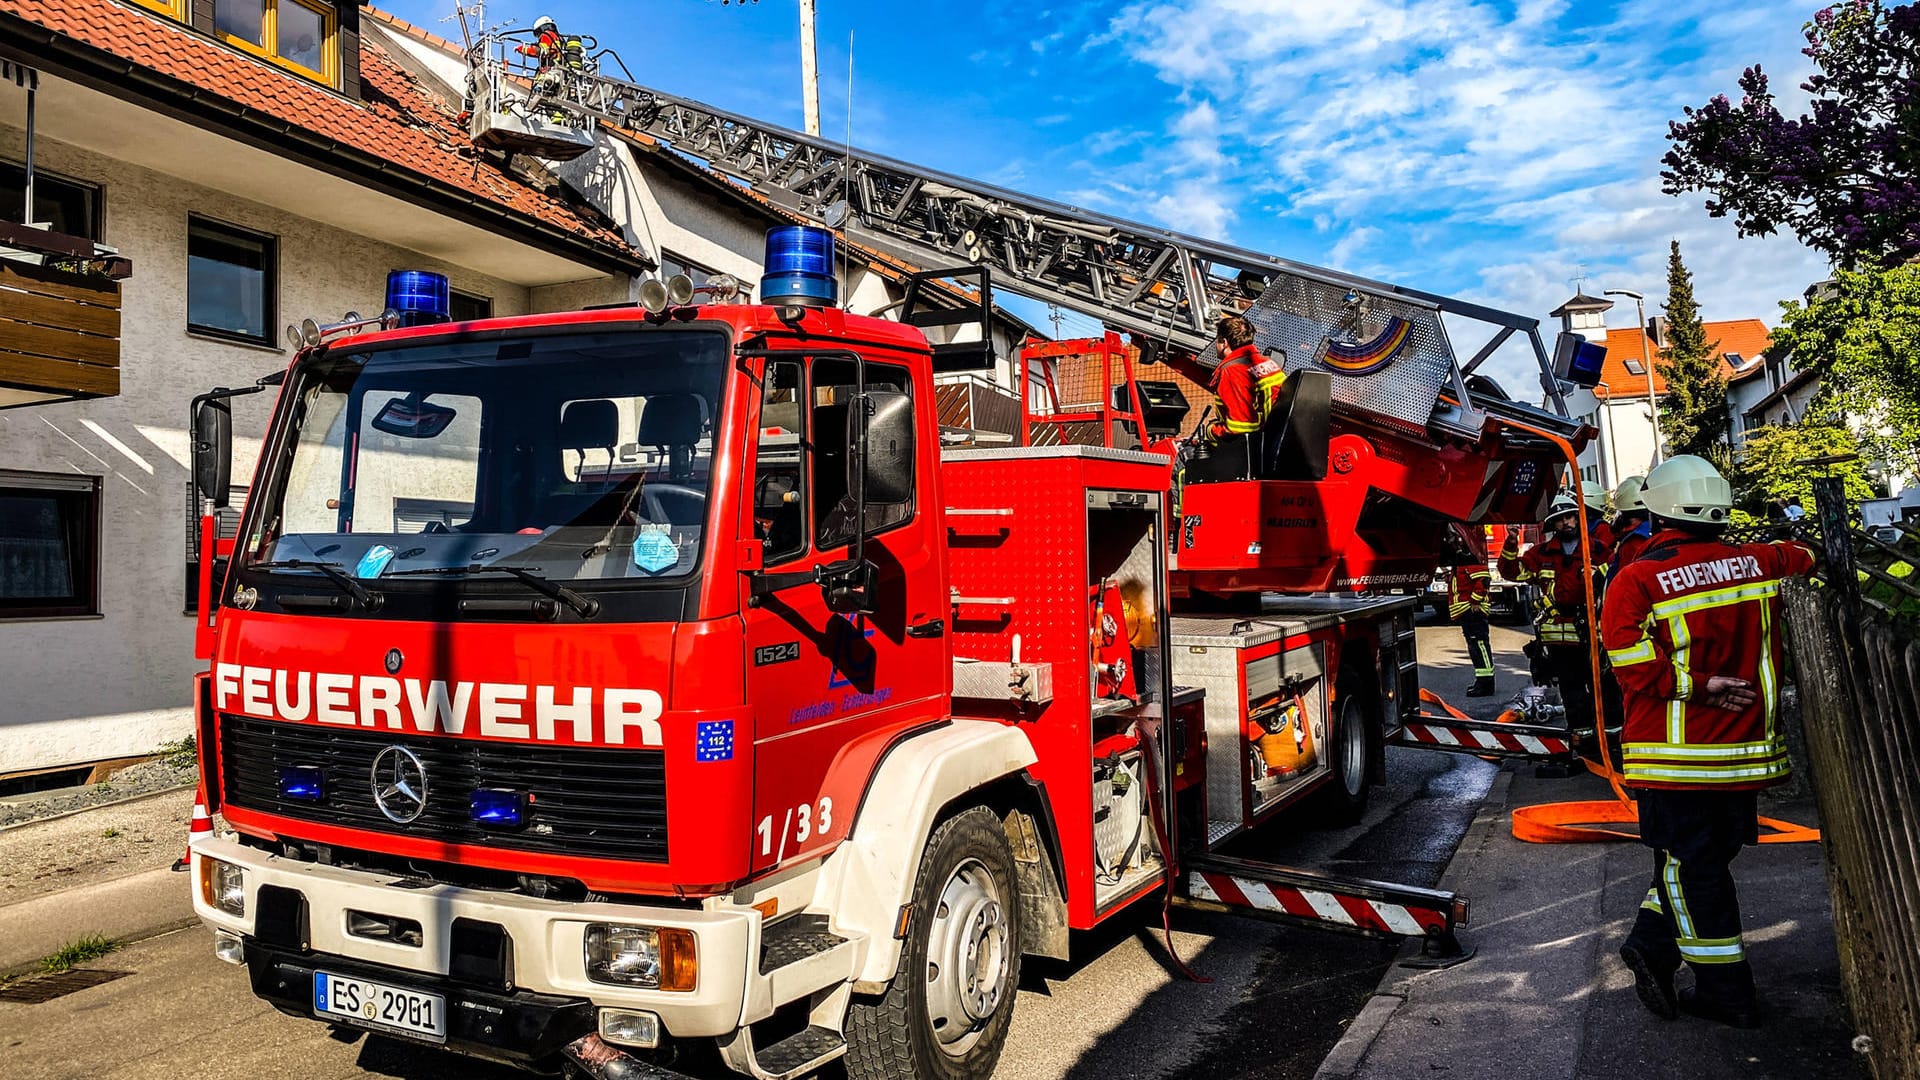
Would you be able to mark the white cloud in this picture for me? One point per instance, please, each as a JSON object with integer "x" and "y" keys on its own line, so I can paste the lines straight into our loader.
{"x": 1499, "y": 147}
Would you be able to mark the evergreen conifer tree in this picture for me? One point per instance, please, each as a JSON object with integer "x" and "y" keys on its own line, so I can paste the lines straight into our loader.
{"x": 1693, "y": 411}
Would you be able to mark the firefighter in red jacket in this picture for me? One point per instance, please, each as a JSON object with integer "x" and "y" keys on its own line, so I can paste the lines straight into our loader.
{"x": 1632, "y": 525}
{"x": 559, "y": 58}
{"x": 1469, "y": 586}
{"x": 1692, "y": 628}
{"x": 1245, "y": 382}
{"x": 1555, "y": 569}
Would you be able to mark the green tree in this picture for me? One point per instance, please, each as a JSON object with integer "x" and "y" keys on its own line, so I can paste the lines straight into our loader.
{"x": 1768, "y": 469}
{"x": 1863, "y": 338}
{"x": 1693, "y": 411}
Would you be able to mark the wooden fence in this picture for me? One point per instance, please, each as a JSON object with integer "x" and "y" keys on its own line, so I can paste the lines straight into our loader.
{"x": 1857, "y": 655}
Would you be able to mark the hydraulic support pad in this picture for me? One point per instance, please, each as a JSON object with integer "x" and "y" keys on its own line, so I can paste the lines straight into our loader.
{"x": 1536, "y": 742}
{"x": 1354, "y": 905}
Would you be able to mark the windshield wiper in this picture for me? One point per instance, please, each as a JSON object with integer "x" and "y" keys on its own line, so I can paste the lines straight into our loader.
{"x": 584, "y": 606}
{"x": 335, "y": 573}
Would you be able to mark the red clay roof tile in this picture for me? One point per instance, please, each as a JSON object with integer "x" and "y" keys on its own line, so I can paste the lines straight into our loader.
{"x": 1745, "y": 338}
{"x": 397, "y": 120}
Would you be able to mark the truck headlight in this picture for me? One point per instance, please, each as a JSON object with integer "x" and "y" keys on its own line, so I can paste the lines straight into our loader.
{"x": 644, "y": 956}
{"x": 224, "y": 886}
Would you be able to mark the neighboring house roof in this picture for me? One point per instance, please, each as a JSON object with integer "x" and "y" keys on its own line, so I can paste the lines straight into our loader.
{"x": 396, "y": 129}
{"x": 1745, "y": 338}
{"x": 1800, "y": 381}
{"x": 1581, "y": 302}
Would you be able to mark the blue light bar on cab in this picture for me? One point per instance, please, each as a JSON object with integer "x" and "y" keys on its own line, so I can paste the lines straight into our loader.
{"x": 500, "y": 808}
{"x": 419, "y": 296}
{"x": 307, "y": 783}
{"x": 799, "y": 267}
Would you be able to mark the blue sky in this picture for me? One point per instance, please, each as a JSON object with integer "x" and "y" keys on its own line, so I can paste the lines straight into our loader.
{"x": 1490, "y": 149}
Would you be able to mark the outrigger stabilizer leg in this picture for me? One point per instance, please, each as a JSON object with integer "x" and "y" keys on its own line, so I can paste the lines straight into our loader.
{"x": 1309, "y": 898}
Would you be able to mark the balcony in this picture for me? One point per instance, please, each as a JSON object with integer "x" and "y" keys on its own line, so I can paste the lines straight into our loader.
{"x": 59, "y": 317}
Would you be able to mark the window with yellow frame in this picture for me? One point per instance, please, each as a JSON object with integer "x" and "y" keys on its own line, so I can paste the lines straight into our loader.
{"x": 296, "y": 34}
{"x": 172, "y": 9}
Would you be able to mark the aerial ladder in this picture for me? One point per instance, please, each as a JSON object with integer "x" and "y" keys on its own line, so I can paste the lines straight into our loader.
{"x": 1414, "y": 441}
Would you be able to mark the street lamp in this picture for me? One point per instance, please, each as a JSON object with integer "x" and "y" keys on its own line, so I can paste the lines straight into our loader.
{"x": 1609, "y": 447}
{"x": 1646, "y": 362}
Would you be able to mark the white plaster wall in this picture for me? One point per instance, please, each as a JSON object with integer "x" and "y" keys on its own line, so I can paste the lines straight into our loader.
{"x": 81, "y": 690}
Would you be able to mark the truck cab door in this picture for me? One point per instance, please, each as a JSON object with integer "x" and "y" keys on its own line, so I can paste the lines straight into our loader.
{"x": 828, "y": 691}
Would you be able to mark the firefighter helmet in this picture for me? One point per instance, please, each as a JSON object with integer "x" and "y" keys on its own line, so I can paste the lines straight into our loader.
{"x": 1562, "y": 506}
{"x": 544, "y": 22}
{"x": 1594, "y": 496}
{"x": 1688, "y": 488}
{"x": 1626, "y": 497}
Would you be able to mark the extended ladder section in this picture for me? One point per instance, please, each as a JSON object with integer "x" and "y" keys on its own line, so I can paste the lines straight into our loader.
{"x": 1166, "y": 289}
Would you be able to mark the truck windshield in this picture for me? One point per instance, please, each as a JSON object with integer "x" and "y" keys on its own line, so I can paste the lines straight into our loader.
{"x": 581, "y": 456}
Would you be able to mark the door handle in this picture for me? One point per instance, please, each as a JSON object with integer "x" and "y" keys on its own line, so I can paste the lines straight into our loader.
{"x": 930, "y": 628}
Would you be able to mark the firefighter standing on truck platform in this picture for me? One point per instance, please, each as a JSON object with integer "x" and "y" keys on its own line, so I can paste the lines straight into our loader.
{"x": 1555, "y": 569}
{"x": 1692, "y": 628}
{"x": 1468, "y": 587}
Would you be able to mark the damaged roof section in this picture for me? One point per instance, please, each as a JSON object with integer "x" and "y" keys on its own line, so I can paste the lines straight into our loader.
{"x": 396, "y": 137}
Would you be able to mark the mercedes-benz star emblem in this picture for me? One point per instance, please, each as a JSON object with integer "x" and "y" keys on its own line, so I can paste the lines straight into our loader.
{"x": 394, "y": 660}
{"x": 399, "y": 784}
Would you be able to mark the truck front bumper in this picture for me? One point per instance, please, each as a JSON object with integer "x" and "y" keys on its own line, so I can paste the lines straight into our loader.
{"x": 515, "y": 1026}
{"x": 304, "y": 923}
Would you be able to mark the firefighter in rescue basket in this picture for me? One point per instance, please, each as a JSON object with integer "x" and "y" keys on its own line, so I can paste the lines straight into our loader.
{"x": 1692, "y": 627}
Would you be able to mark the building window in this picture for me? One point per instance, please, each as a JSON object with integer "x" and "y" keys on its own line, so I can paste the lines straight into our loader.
{"x": 172, "y": 9}
{"x": 67, "y": 206}
{"x": 230, "y": 281}
{"x": 296, "y": 34}
{"x": 466, "y": 307}
{"x": 1634, "y": 367}
{"x": 671, "y": 264}
{"x": 49, "y": 544}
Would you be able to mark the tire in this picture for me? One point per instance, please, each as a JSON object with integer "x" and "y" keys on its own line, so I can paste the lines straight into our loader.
{"x": 1350, "y": 756}
{"x": 933, "y": 1023}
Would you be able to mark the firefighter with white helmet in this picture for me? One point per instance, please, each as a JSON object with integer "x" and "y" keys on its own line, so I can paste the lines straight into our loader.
{"x": 1692, "y": 629}
{"x": 559, "y": 60}
{"x": 1632, "y": 525}
{"x": 1558, "y": 573}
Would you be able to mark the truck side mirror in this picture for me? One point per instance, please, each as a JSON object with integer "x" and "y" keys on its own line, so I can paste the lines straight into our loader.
{"x": 888, "y": 460}
{"x": 213, "y": 449}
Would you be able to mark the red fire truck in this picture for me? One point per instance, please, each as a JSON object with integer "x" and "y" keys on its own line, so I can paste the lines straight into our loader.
{"x": 589, "y": 685}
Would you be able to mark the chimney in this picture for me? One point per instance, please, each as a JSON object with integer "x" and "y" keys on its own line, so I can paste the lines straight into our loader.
{"x": 1657, "y": 331}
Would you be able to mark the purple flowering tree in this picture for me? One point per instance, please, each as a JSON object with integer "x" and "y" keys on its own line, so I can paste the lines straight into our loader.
{"x": 1844, "y": 177}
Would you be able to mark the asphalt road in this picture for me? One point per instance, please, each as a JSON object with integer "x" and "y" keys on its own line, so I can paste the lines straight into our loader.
{"x": 1278, "y": 999}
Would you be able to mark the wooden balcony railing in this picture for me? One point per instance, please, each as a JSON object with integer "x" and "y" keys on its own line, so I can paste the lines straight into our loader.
{"x": 59, "y": 329}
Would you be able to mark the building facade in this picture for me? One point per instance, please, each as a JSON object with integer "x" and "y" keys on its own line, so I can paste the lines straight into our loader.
{"x": 1621, "y": 407}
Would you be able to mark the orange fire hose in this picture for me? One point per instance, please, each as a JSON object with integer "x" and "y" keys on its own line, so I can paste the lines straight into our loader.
{"x": 1587, "y": 822}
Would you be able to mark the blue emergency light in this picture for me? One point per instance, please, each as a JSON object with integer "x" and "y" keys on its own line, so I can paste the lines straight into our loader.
{"x": 500, "y": 808}
{"x": 419, "y": 297}
{"x": 307, "y": 783}
{"x": 799, "y": 267}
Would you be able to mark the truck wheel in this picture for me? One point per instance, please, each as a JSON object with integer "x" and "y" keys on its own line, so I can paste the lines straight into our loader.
{"x": 1350, "y": 753}
{"x": 945, "y": 1013}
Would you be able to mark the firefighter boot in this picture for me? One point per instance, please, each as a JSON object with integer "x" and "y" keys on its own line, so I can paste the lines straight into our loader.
{"x": 1652, "y": 955}
{"x": 1482, "y": 686}
{"x": 1724, "y": 994}
{"x": 1735, "y": 1013}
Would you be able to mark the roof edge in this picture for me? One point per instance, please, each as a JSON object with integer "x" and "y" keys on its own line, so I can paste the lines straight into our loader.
{"x": 65, "y": 57}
